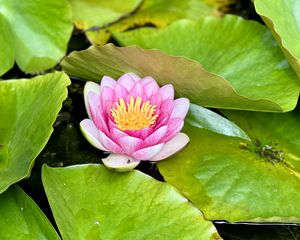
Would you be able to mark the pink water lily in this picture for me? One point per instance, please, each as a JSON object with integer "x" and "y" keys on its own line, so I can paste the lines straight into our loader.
{"x": 134, "y": 119}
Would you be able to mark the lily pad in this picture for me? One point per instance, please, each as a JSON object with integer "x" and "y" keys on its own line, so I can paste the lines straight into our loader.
{"x": 45, "y": 25}
{"x": 233, "y": 179}
{"x": 156, "y": 13}
{"x": 96, "y": 14}
{"x": 243, "y": 52}
{"x": 91, "y": 202}
{"x": 203, "y": 88}
{"x": 282, "y": 17}
{"x": 28, "y": 108}
{"x": 20, "y": 218}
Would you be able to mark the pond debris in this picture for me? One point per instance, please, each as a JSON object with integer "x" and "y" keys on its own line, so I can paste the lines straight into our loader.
{"x": 267, "y": 152}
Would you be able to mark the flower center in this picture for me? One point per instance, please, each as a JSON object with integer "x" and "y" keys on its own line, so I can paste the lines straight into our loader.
{"x": 134, "y": 115}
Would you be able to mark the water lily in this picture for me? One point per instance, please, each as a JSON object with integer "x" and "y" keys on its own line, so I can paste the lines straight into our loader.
{"x": 134, "y": 119}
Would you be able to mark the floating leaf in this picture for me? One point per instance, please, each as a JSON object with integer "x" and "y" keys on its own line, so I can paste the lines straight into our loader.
{"x": 233, "y": 179}
{"x": 20, "y": 218}
{"x": 282, "y": 17}
{"x": 91, "y": 202}
{"x": 34, "y": 33}
{"x": 243, "y": 52}
{"x": 28, "y": 108}
{"x": 157, "y": 13}
{"x": 188, "y": 77}
{"x": 90, "y": 13}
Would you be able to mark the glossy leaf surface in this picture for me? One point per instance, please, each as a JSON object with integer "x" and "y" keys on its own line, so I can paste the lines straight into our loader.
{"x": 91, "y": 202}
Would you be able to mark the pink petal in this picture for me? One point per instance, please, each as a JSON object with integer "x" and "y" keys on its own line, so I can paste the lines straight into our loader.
{"x": 107, "y": 82}
{"x": 181, "y": 107}
{"x": 167, "y": 92}
{"x": 116, "y": 134}
{"x": 128, "y": 80}
{"x": 137, "y": 91}
{"x": 161, "y": 122}
{"x": 129, "y": 144}
{"x": 144, "y": 81}
{"x": 172, "y": 147}
{"x": 150, "y": 86}
{"x": 141, "y": 134}
{"x": 109, "y": 144}
{"x": 148, "y": 153}
{"x": 165, "y": 109}
{"x": 156, "y": 136}
{"x": 120, "y": 92}
{"x": 95, "y": 111}
{"x": 107, "y": 96}
{"x": 120, "y": 163}
{"x": 90, "y": 87}
{"x": 156, "y": 100}
{"x": 91, "y": 133}
{"x": 174, "y": 126}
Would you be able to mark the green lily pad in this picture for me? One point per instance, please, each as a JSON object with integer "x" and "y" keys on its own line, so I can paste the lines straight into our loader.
{"x": 21, "y": 218}
{"x": 188, "y": 77}
{"x": 90, "y": 13}
{"x": 28, "y": 108}
{"x": 157, "y": 13}
{"x": 91, "y": 202}
{"x": 283, "y": 19}
{"x": 233, "y": 179}
{"x": 34, "y": 33}
{"x": 243, "y": 52}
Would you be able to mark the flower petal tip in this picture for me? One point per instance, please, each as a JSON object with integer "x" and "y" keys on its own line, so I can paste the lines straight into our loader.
{"x": 120, "y": 163}
{"x": 90, "y": 87}
{"x": 173, "y": 146}
{"x": 90, "y": 132}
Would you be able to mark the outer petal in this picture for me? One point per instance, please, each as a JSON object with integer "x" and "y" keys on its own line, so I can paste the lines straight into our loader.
{"x": 128, "y": 80}
{"x": 181, "y": 107}
{"x": 90, "y": 87}
{"x": 148, "y": 153}
{"x": 107, "y": 82}
{"x": 172, "y": 147}
{"x": 95, "y": 111}
{"x": 120, "y": 163}
{"x": 130, "y": 144}
{"x": 167, "y": 92}
{"x": 91, "y": 133}
{"x": 109, "y": 144}
{"x": 116, "y": 134}
{"x": 174, "y": 126}
{"x": 156, "y": 136}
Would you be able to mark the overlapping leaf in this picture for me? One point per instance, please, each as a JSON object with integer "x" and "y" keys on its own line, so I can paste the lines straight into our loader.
{"x": 234, "y": 179}
{"x": 34, "y": 33}
{"x": 91, "y": 202}
{"x": 157, "y": 13}
{"x": 283, "y": 18}
{"x": 96, "y": 14}
{"x": 188, "y": 77}
{"x": 20, "y": 218}
{"x": 243, "y": 52}
{"x": 28, "y": 108}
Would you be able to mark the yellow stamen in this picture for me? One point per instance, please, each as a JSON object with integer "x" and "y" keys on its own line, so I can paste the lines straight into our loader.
{"x": 133, "y": 116}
